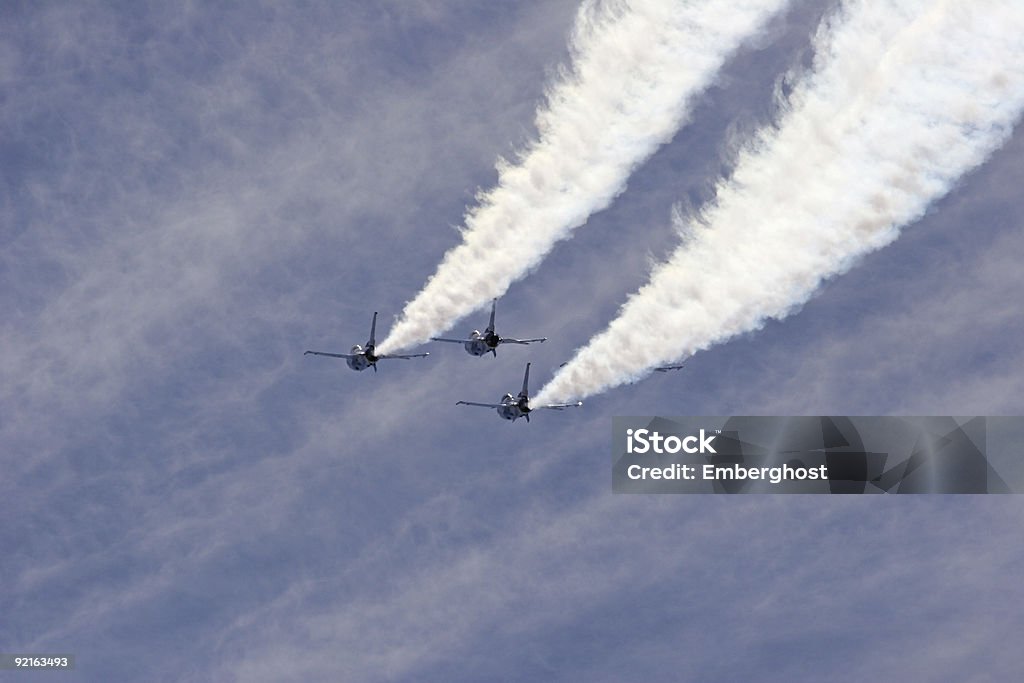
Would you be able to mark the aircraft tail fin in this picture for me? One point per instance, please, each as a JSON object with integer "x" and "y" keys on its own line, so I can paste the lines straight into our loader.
{"x": 526, "y": 383}
{"x": 490, "y": 323}
{"x": 373, "y": 332}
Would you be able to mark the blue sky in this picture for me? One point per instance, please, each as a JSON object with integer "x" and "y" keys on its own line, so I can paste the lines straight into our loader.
{"x": 192, "y": 195}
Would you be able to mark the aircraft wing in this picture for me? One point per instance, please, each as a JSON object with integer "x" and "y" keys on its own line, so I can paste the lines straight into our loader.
{"x": 403, "y": 356}
{"x": 332, "y": 355}
{"x": 482, "y": 405}
{"x": 454, "y": 341}
{"x": 510, "y": 340}
{"x": 559, "y": 406}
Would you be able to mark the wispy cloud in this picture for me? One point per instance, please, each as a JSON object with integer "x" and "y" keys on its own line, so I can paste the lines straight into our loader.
{"x": 655, "y": 561}
{"x": 208, "y": 498}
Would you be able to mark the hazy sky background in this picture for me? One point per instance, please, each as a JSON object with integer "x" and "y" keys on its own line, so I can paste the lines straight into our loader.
{"x": 192, "y": 195}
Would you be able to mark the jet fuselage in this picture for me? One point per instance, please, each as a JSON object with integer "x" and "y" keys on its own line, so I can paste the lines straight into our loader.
{"x": 513, "y": 408}
{"x": 361, "y": 358}
{"x": 480, "y": 344}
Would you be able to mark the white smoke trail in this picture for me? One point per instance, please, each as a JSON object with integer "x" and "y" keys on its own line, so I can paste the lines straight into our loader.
{"x": 905, "y": 97}
{"x": 636, "y": 66}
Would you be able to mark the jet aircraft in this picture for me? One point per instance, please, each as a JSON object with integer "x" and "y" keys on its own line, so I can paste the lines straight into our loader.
{"x": 480, "y": 344}
{"x": 364, "y": 357}
{"x": 666, "y": 368}
{"x": 514, "y": 407}
{"x": 663, "y": 368}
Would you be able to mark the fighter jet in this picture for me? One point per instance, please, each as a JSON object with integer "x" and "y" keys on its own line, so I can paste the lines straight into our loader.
{"x": 666, "y": 368}
{"x": 514, "y": 407}
{"x": 663, "y": 368}
{"x": 480, "y": 344}
{"x": 364, "y": 357}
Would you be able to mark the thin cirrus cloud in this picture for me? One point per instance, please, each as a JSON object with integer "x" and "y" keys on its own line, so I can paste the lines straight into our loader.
{"x": 186, "y": 498}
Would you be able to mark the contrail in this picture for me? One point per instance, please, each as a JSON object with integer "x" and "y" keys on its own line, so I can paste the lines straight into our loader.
{"x": 905, "y": 97}
{"x": 635, "y": 68}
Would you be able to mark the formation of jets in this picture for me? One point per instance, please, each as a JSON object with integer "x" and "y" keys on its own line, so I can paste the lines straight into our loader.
{"x": 508, "y": 408}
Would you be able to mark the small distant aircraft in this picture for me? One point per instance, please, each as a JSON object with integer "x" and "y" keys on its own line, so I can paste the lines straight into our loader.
{"x": 514, "y": 407}
{"x": 480, "y": 344}
{"x": 666, "y": 368}
{"x": 663, "y": 368}
{"x": 363, "y": 357}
